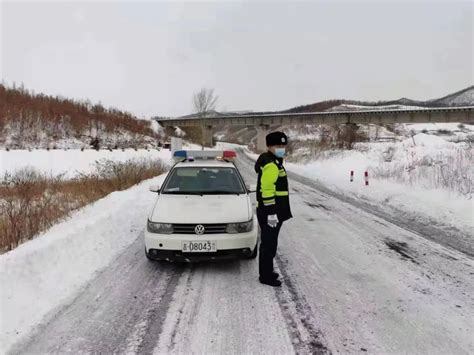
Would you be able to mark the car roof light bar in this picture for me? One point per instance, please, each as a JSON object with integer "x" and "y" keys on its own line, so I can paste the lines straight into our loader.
{"x": 191, "y": 155}
{"x": 229, "y": 154}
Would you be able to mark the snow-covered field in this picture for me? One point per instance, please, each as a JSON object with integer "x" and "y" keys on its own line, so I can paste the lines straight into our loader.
{"x": 70, "y": 162}
{"x": 455, "y": 132}
{"x": 49, "y": 270}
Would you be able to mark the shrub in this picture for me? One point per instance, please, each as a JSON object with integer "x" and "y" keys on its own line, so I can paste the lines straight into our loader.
{"x": 347, "y": 135}
{"x": 26, "y": 116}
{"x": 444, "y": 131}
{"x": 31, "y": 202}
{"x": 451, "y": 170}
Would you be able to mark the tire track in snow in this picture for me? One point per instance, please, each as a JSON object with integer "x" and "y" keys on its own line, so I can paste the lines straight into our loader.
{"x": 167, "y": 338}
{"x": 298, "y": 315}
{"x": 118, "y": 312}
{"x": 146, "y": 332}
{"x": 179, "y": 319}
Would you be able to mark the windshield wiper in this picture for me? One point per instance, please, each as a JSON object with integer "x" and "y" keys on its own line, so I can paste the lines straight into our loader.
{"x": 213, "y": 192}
{"x": 216, "y": 192}
{"x": 182, "y": 192}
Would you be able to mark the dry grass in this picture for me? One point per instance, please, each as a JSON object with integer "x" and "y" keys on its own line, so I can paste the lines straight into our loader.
{"x": 451, "y": 170}
{"x": 31, "y": 202}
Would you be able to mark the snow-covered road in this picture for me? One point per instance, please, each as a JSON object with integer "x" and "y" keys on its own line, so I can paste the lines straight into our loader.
{"x": 353, "y": 282}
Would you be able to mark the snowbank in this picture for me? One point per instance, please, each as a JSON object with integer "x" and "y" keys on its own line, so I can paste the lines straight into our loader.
{"x": 438, "y": 204}
{"x": 50, "y": 270}
{"x": 70, "y": 162}
{"x": 421, "y": 175}
{"x": 433, "y": 127}
{"x": 413, "y": 175}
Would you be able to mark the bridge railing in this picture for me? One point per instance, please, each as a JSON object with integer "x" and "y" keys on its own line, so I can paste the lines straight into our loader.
{"x": 419, "y": 115}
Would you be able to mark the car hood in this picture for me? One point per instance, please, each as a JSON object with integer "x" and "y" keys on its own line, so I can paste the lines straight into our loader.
{"x": 201, "y": 209}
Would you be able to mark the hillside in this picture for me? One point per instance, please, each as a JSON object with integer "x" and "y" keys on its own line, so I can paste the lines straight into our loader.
{"x": 460, "y": 98}
{"x": 29, "y": 120}
{"x": 463, "y": 97}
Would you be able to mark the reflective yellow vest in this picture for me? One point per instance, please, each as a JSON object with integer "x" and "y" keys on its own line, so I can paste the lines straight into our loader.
{"x": 272, "y": 187}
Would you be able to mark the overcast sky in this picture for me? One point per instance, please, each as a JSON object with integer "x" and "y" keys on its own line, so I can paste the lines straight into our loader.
{"x": 149, "y": 57}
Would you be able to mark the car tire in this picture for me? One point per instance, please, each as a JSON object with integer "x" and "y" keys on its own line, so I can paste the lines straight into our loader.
{"x": 155, "y": 260}
{"x": 148, "y": 256}
{"x": 254, "y": 252}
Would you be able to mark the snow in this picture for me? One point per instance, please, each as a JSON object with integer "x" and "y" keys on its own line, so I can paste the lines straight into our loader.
{"x": 408, "y": 175}
{"x": 350, "y": 107}
{"x": 343, "y": 285}
{"x": 157, "y": 128}
{"x": 70, "y": 162}
{"x": 465, "y": 97}
{"x": 307, "y": 134}
{"x": 40, "y": 139}
{"x": 179, "y": 132}
{"x": 50, "y": 270}
{"x": 452, "y": 127}
{"x": 437, "y": 203}
{"x": 427, "y": 140}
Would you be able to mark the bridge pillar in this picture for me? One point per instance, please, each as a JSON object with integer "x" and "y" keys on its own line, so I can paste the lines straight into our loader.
{"x": 262, "y": 131}
{"x": 207, "y": 136}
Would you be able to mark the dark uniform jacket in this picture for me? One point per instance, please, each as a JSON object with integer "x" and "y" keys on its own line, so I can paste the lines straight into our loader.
{"x": 272, "y": 187}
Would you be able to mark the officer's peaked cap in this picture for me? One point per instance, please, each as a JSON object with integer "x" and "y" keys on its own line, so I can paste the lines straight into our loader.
{"x": 276, "y": 138}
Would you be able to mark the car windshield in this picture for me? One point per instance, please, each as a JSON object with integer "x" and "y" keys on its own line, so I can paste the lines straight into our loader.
{"x": 204, "y": 180}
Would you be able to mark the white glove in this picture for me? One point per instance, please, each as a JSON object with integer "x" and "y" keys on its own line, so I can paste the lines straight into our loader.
{"x": 272, "y": 220}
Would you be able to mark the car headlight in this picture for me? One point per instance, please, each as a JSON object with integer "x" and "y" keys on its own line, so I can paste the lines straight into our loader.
{"x": 243, "y": 227}
{"x": 160, "y": 228}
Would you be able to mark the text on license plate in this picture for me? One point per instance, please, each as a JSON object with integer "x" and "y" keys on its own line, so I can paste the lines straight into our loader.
{"x": 198, "y": 247}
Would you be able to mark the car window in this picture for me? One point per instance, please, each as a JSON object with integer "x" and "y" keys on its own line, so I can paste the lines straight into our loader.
{"x": 204, "y": 180}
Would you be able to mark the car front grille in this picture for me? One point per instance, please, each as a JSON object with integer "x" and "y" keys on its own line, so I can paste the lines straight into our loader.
{"x": 208, "y": 228}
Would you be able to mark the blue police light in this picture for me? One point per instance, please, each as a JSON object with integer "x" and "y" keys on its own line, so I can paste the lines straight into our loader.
{"x": 180, "y": 154}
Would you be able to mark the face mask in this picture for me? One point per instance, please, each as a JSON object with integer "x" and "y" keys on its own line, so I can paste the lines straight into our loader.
{"x": 279, "y": 152}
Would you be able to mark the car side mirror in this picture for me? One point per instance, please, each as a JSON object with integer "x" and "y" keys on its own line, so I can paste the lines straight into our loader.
{"x": 252, "y": 188}
{"x": 155, "y": 188}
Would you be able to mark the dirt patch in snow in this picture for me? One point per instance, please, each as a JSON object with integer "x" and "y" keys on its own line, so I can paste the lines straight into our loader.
{"x": 402, "y": 249}
{"x": 316, "y": 205}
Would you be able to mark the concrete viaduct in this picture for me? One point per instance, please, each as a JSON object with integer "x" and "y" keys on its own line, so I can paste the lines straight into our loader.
{"x": 263, "y": 121}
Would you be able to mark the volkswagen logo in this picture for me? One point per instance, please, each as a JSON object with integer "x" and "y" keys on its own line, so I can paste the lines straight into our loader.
{"x": 199, "y": 229}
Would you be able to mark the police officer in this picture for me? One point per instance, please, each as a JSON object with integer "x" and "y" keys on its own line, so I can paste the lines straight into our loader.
{"x": 273, "y": 204}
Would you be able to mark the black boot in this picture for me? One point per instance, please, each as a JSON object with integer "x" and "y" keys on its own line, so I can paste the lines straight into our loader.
{"x": 270, "y": 282}
{"x": 275, "y": 275}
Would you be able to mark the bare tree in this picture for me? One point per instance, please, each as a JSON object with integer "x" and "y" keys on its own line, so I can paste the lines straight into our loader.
{"x": 204, "y": 101}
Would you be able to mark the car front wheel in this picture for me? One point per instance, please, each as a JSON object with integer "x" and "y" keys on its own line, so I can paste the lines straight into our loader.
{"x": 254, "y": 252}
{"x": 148, "y": 256}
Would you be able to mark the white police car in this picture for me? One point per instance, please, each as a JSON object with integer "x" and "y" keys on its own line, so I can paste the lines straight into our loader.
{"x": 203, "y": 211}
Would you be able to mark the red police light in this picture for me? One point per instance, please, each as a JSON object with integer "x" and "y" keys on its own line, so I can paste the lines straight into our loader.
{"x": 229, "y": 154}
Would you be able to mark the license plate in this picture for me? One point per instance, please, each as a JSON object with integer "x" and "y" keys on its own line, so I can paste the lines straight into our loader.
{"x": 198, "y": 247}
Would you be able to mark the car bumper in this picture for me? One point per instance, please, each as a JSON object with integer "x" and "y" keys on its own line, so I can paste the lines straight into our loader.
{"x": 177, "y": 255}
{"x": 168, "y": 246}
